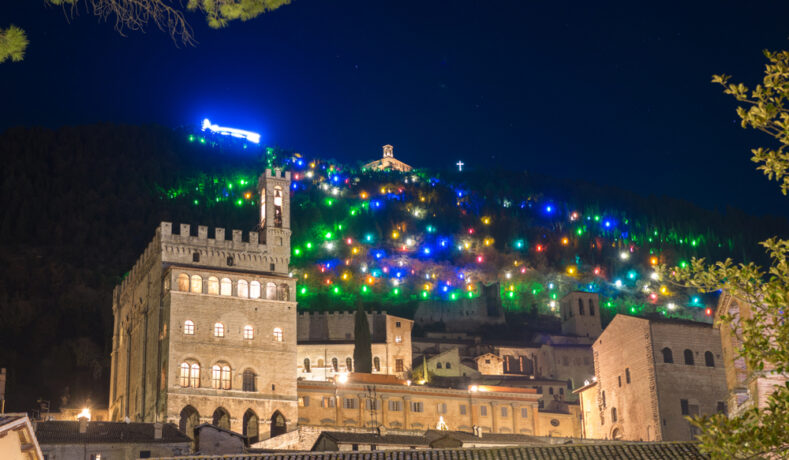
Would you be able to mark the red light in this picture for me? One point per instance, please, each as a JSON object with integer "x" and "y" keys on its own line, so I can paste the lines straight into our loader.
{"x": 539, "y": 248}
{"x": 597, "y": 270}
{"x": 471, "y": 231}
{"x": 348, "y": 241}
{"x": 523, "y": 269}
{"x": 708, "y": 311}
{"x": 479, "y": 259}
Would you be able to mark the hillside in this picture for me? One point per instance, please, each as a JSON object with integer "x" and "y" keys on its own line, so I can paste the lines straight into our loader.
{"x": 80, "y": 203}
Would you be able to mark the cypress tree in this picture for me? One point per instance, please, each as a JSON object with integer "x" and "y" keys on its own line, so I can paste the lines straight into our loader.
{"x": 362, "y": 348}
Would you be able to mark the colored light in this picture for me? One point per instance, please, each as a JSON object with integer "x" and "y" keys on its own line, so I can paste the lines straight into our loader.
{"x": 395, "y": 235}
{"x": 565, "y": 241}
{"x": 297, "y": 252}
{"x": 233, "y": 132}
{"x": 486, "y": 220}
{"x": 653, "y": 260}
{"x": 632, "y": 274}
{"x": 303, "y": 290}
{"x": 618, "y": 283}
{"x": 571, "y": 270}
{"x": 539, "y": 248}
{"x": 480, "y": 259}
{"x": 624, "y": 255}
{"x": 708, "y": 311}
{"x": 368, "y": 237}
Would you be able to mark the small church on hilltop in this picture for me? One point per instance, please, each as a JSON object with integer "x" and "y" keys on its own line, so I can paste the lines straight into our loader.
{"x": 388, "y": 162}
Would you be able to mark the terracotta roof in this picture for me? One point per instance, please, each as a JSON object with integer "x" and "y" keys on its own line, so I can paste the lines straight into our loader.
{"x": 67, "y": 432}
{"x": 9, "y": 418}
{"x": 604, "y": 451}
{"x": 374, "y": 438}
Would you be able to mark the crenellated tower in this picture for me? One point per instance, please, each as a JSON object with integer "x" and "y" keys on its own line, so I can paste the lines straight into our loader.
{"x": 274, "y": 226}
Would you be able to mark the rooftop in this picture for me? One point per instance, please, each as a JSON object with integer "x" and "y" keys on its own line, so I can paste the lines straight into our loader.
{"x": 602, "y": 451}
{"x": 64, "y": 432}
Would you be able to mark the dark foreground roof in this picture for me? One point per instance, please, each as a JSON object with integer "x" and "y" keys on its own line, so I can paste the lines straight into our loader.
{"x": 615, "y": 451}
{"x": 67, "y": 432}
{"x": 6, "y": 419}
{"x": 374, "y": 438}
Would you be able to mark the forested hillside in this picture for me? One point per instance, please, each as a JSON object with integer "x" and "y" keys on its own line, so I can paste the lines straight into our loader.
{"x": 80, "y": 203}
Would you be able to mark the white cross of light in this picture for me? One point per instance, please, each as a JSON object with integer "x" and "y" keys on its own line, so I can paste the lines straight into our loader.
{"x": 460, "y": 165}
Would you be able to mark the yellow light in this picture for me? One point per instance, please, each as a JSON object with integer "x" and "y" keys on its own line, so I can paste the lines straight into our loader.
{"x": 663, "y": 290}
{"x": 486, "y": 220}
{"x": 565, "y": 241}
{"x": 84, "y": 414}
{"x": 383, "y": 189}
{"x": 305, "y": 276}
{"x": 395, "y": 234}
{"x": 355, "y": 251}
{"x": 363, "y": 195}
{"x": 422, "y": 199}
{"x": 345, "y": 276}
{"x": 469, "y": 287}
{"x": 571, "y": 270}
{"x": 342, "y": 378}
{"x": 312, "y": 165}
{"x": 466, "y": 245}
{"x": 488, "y": 241}
{"x": 427, "y": 286}
{"x": 653, "y": 260}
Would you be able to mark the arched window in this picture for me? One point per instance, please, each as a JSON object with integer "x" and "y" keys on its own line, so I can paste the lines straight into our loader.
{"x": 221, "y": 418}
{"x": 219, "y": 330}
{"x": 196, "y": 284}
{"x": 243, "y": 288}
{"x": 254, "y": 290}
{"x": 349, "y": 364}
{"x": 220, "y": 376}
{"x": 189, "y": 375}
{"x": 271, "y": 291}
{"x": 438, "y": 365}
{"x": 249, "y": 332}
{"x": 668, "y": 357}
{"x": 189, "y": 327}
{"x": 194, "y": 376}
{"x": 688, "y": 357}
{"x": 580, "y": 307}
{"x": 248, "y": 379}
{"x": 226, "y": 287}
{"x": 377, "y": 364}
{"x": 591, "y": 307}
{"x": 709, "y": 360}
{"x": 448, "y": 365}
{"x": 277, "y": 334}
{"x": 277, "y": 207}
{"x": 335, "y": 364}
{"x": 283, "y": 292}
{"x": 184, "y": 375}
{"x": 183, "y": 282}
{"x": 213, "y": 285}
{"x": 307, "y": 365}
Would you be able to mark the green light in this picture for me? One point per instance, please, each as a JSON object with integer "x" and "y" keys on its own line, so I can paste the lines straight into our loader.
{"x": 297, "y": 252}
{"x": 682, "y": 264}
{"x": 196, "y": 202}
{"x": 553, "y": 295}
{"x": 396, "y": 291}
{"x": 329, "y": 202}
{"x": 511, "y": 295}
{"x": 453, "y": 296}
{"x": 335, "y": 290}
{"x": 239, "y": 202}
{"x": 597, "y": 218}
{"x": 303, "y": 290}
{"x": 368, "y": 237}
{"x": 365, "y": 289}
{"x": 431, "y": 229}
{"x": 309, "y": 245}
{"x": 693, "y": 243}
{"x": 424, "y": 294}
{"x": 339, "y": 227}
{"x": 230, "y": 186}
{"x": 353, "y": 212}
{"x": 580, "y": 231}
{"x": 470, "y": 294}
{"x": 518, "y": 244}
{"x": 202, "y": 140}
{"x": 327, "y": 235}
{"x": 191, "y": 138}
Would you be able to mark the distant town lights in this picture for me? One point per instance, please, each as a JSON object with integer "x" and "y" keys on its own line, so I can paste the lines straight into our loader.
{"x": 233, "y": 132}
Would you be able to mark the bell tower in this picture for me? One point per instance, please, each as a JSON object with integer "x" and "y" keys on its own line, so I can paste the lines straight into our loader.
{"x": 388, "y": 151}
{"x": 274, "y": 189}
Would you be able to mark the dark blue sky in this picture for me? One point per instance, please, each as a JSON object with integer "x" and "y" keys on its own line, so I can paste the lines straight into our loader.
{"x": 617, "y": 93}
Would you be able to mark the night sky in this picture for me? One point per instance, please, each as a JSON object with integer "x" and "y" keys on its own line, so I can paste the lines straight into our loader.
{"x": 618, "y": 94}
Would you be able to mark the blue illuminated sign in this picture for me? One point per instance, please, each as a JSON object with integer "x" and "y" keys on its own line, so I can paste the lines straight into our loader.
{"x": 234, "y": 132}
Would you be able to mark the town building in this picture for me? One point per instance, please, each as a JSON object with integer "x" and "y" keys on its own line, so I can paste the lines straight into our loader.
{"x": 211, "y": 439}
{"x": 372, "y": 401}
{"x": 388, "y": 162}
{"x": 88, "y": 440}
{"x": 326, "y": 342}
{"x": 17, "y": 438}
{"x": 202, "y": 322}
{"x": 747, "y": 387}
{"x": 650, "y": 373}
{"x": 445, "y": 364}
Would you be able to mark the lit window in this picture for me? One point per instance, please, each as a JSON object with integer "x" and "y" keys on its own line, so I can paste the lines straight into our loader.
{"x": 226, "y": 287}
{"x": 377, "y": 364}
{"x": 249, "y": 332}
{"x": 398, "y": 339}
{"x": 243, "y": 288}
{"x": 183, "y": 282}
{"x": 194, "y": 375}
{"x": 271, "y": 291}
{"x": 349, "y": 364}
{"x": 277, "y": 334}
{"x": 254, "y": 290}
{"x": 184, "y": 377}
{"x": 220, "y": 377}
{"x": 219, "y": 330}
{"x": 189, "y": 375}
{"x": 399, "y": 365}
{"x": 189, "y": 327}
{"x": 213, "y": 285}
{"x": 196, "y": 284}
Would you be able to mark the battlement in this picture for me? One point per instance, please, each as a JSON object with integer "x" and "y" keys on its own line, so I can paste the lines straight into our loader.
{"x": 277, "y": 173}
{"x": 239, "y": 239}
{"x": 340, "y": 314}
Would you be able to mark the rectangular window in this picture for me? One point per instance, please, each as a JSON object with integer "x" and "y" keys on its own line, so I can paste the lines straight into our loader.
{"x": 399, "y": 367}
{"x": 327, "y": 402}
{"x": 721, "y": 408}
{"x": 524, "y": 412}
{"x": 442, "y": 408}
{"x": 398, "y": 339}
{"x": 417, "y": 406}
{"x": 683, "y": 405}
{"x": 483, "y": 411}
{"x": 462, "y": 409}
{"x": 145, "y": 454}
{"x": 372, "y": 404}
{"x": 504, "y": 412}
{"x": 395, "y": 406}
{"x": 627, "y": 375}
{"x": 397, "y": 323}
{"x": 350, "y": 403}
{"x": 619, "y": 379}
{"x": 304, "y": 401}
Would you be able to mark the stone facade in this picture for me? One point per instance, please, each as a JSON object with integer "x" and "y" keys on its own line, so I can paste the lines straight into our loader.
{"x": 446, "y": 364}
{"x": 650, "y": 374}
{"x": 200, "y": 323}
{"x": 463, "y": 314}
{"x": 397, "y": 405}
{"x": 326, "y": 343}
{"x": 580, "y": 313}
{"x": 746, "y": 387}
{"x": 490, "y": 364}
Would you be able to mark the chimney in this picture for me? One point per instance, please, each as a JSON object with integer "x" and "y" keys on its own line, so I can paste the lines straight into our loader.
{"x": 83, "y": 425}
{"x": 157, "y": 430}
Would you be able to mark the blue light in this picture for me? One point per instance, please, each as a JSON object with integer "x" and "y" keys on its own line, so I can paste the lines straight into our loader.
{"x": 608, "y": 224}
{"x": 549, "y": 209}
{"x": 336, "y": 178}
{"x": 443, "y": 243}
{"x": 375, "y": 204}
{"x": 233, "y": 132}
{"x": 379, "y": 254}
{"x": 426, "y": 251}
{"x": 300, "y": 162}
